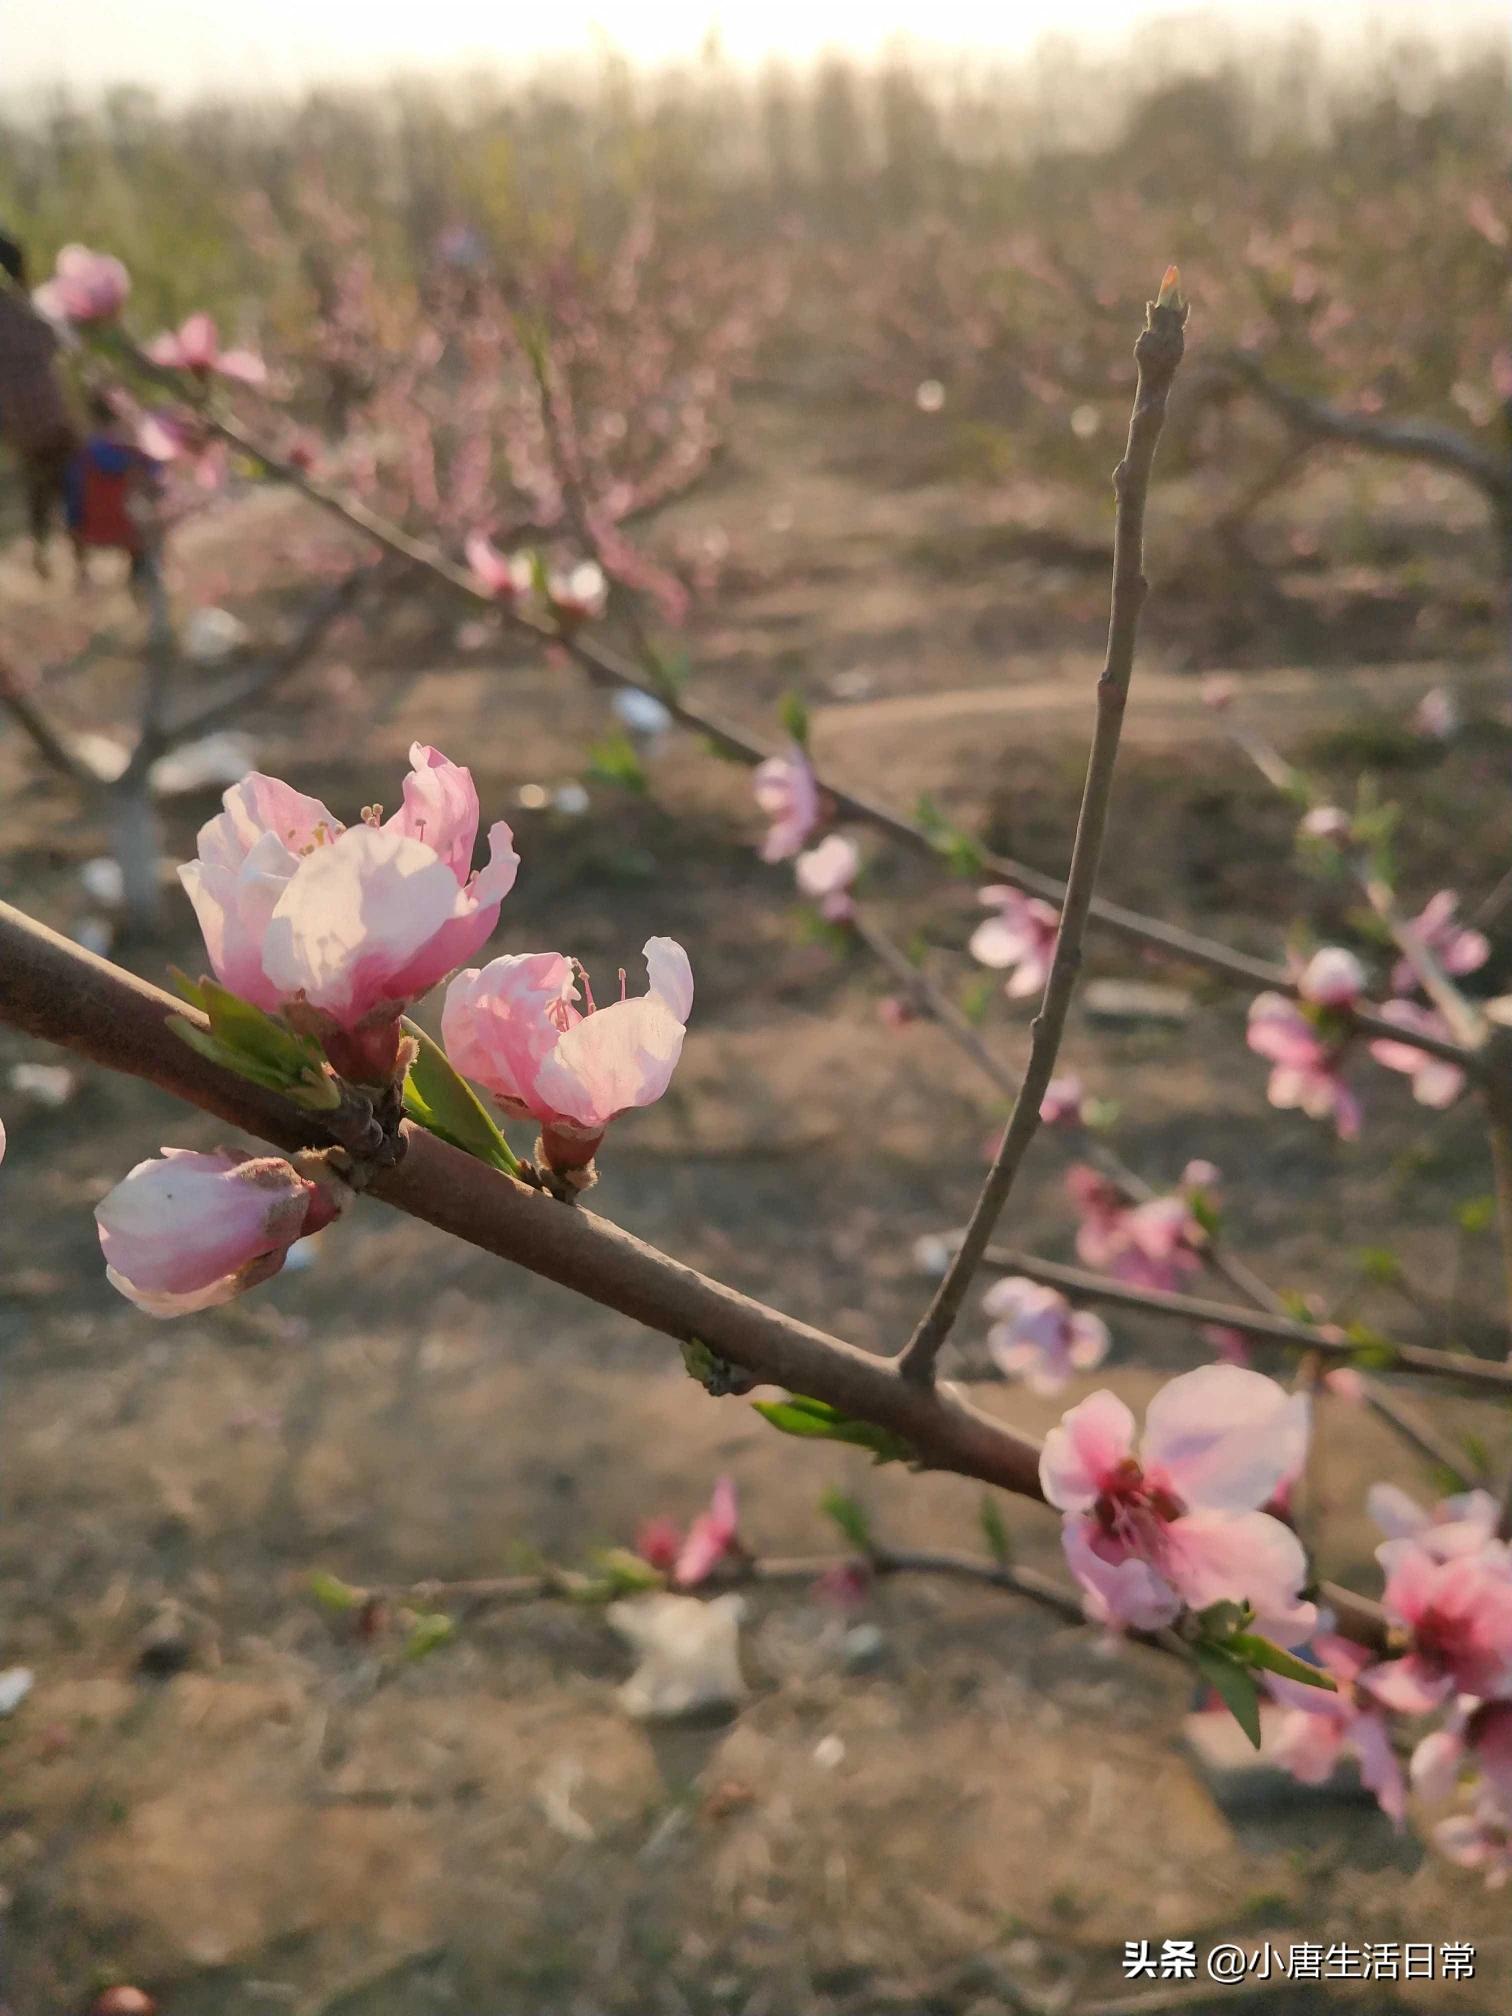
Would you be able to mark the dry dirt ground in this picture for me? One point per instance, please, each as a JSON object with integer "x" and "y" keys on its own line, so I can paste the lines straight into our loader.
{"x": 303, "y": 1820}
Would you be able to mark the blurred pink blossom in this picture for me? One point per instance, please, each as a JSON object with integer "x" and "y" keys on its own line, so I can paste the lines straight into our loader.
{"x": 1435, "y": 1081}
{"x": 788, "y": 793}
{"x": 195, "y": 346}
{"x": 1038, "y": 1337}
{"x": 1020, "y": 939}
{"x": 1457, "y": 947}
{"x": 1305, "y": 1063}
{"x": 825, "y": 874}
{"x": 85, "y": 287}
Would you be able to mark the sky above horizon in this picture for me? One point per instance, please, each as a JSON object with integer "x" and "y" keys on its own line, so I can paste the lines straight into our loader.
{"x": 183, "y": 46}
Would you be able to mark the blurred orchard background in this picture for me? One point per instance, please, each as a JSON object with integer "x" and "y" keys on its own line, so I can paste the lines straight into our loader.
{"x": 841, "y": 351}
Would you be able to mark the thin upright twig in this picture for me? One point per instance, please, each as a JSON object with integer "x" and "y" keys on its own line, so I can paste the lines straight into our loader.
{"x": 1157, "y": 354}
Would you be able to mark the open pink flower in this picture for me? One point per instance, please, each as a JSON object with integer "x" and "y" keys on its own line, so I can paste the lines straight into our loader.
{"x": 191, "y": 1230}
{"x": 1320, "y": 1726}
{"x": 1476, "y": 1738}
{"x": 1457, "y": 947}
{"x": 1333, "y": 978}
{"x": 1038, "y": 1337}
{"x": 788, "y": 793}
{"x": 195, "y": 346}
{"x": 1435, "y": 1081}
{"x": 1150, "y": 1245}
{"x": 1458, "y": 1613}
{"x": 1305, "y": 1063}
{"x": 1020, "y": 939}
{"x": 1327, "y": 822}
{"x": 346, "y": 925}
{"x": 85, "y": 287}
{"x": 825, "y": 875}
{"x": 711, "y": 1538}
{"x": 505, "y": 576}
{"x": 1175, "y": 1525}
{"x": 513, "y": 1026}
{"x": 1463, "y": 1524}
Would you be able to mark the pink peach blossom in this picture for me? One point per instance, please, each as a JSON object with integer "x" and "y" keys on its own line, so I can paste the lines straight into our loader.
{"x": 1019, "y": 939}
{"x": 1150, "y": 1245}
{"x": 1481, "y": 1840}
{"x": 1320, "y": 1726}
{"x": 1457, "y": 947}
{"x": 1458, "y": 1613}
{"x": 1305, "y": 1063}
{"x": 85, "y": 287}
{"x": 659, "y": 1542}
{"x": 1476, "y": 1738}
{"x": 826, "y": 873}
{"x": 1462, "y": 1524}
{"x": 346, "y": 925}
{"x": 1175, "y": 1525}
{"x": 195, "y": 346}
{"x": 505, "y": 576}
{"x": 711, "y": 1538}
{"x": 1038, "y": 1337}
{"x": 190, "y": 1230}
{"x": 788, "y": 793}
{"x": 1435, "y": 1081}
{"x": 1437, "y": 716}
{"x": 513, "y": 1027}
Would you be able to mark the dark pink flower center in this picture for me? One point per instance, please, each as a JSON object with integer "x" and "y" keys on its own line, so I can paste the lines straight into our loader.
{"x": 1134, "y": 1508}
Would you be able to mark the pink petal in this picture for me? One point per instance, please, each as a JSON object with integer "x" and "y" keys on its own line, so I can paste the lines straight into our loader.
{"x": 1084, "y": 1449}
{"x": 1216, "y": 1557}
{"x": 1225, "y": 1437}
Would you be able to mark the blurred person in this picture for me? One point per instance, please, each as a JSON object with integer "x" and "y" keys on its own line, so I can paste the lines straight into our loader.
{"x": 35, "y": 420}
{"x": 108, "y": 493}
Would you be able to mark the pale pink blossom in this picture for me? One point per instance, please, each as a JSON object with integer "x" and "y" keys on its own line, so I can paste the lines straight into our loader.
{"x": 515, "y": 1028}
{"x": 825, "y": 874}
{"x": 1175, "y": 1525}
{"x": 1155, "y": 1244}
{"x": 1476, "y": 1739}
{"x": 1435, "y": 1081}
{"x": 188, "y": 1230}
{"x": 1346, "y": 1383}
{"x": 1064, "y": 1102}
{"x": 1332, "y": 978}
{"x": 1019, "y": 939}
{"x": 85, "y": 287}
{"x": 1481, "y": 1841}
{"x": 505, "y": 576}
{"x": 1437, "y": 716}
{"x": 1457, "y": 947}
{"x": 1038, "y": 1337}
{"x": 1458, "y": 1614}
{"x": 1462, "y": 1524}
{"x": 195, "y": 346}
{"x": 1320, "y": 1726}
{"x": 1327, "y": 822}
{"x": 344, "y": 926}
{"x": 788, "y": 793}
{"x": 712, "y": 1537}
{"x": 1305, "y": 1063}
{"x": 578, "y": 594}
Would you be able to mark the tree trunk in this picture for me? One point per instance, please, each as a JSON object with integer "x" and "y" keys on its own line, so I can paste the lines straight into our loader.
{"x": 137, "y": 840}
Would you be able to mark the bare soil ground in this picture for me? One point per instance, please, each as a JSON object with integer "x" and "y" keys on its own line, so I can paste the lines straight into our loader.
{"x": 303, "y": 1821}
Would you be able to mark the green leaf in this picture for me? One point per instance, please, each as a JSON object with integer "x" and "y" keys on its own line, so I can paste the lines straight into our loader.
{"x": 439, "y": 1099}
{"x": 1380, "y": 1264}
{"x": 816, "y": 1420}
{"x": 429, "y": 1632}
{"x": 848, "y": 1516}
{"x": 1372, "y": 1352}
{"x": 994, "y": 1531}
{"x": 624, "y": 1573}
{"x": 255, "y": 1045}
{"x": 977, "y": 996}
{"x": 1205, "y": 1211}
{"x": 616, "y": 761}
{"x": 331, "y": 1593}
{"x": 1233, "y": 1685}
{"x": 795, "y": 718}
{"x": 716, "y": 1375}
{"x": 1257, "y": 1651}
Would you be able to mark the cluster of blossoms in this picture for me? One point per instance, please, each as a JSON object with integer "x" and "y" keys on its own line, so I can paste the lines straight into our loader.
{"x": 1157, "y": 1244}
{"x": 1448, "y": 1596}
{"x": 788, "y": 793}
{"x": 335, "y": 931}
{"x": 573, "y": 595}
{"x": 1306, "y": 1039}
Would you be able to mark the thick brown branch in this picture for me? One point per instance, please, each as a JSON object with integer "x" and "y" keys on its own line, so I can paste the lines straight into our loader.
{"x": 1157, "y": 354}
{"x": 53, "y": 989}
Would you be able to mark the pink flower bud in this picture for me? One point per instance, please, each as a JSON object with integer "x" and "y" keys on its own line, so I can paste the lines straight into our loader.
{"x": 826, "y": 873}
{"x": 504, "y": 576}
{"x": 85, "y": 287}
{"x": 1063, "y": 1102}
{"x": 191, "y": 1230}
{"x": 659, "y": 1542}
{"x": 1332, "y": 978}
